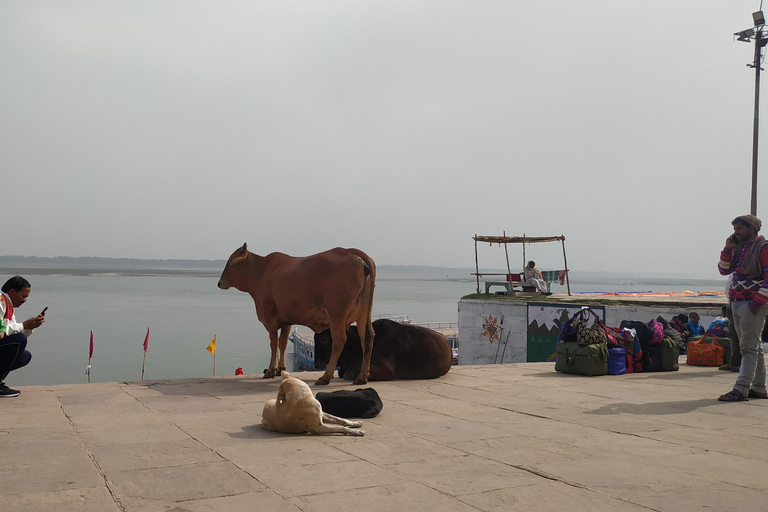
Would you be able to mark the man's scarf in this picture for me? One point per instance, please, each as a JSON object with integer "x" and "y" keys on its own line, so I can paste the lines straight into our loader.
{"x": 751, "y": 265}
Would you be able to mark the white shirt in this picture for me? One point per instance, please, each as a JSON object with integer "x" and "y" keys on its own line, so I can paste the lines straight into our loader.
{"x": 11, "y": 325}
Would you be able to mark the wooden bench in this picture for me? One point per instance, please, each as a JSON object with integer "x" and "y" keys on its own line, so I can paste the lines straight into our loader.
{"x": 518, "y": 280}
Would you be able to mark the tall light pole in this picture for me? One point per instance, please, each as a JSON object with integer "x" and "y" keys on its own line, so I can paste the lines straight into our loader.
{"x": 756, "y": 33}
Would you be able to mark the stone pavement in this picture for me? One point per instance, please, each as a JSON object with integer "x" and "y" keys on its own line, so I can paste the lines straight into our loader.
{"x": 482, "y": 438}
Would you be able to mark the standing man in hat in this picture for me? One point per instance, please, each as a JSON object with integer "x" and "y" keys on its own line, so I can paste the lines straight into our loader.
{"x": 745, "y": 257}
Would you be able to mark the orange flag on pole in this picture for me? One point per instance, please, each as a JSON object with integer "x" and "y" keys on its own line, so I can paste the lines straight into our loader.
{"x": 212, "y": 346}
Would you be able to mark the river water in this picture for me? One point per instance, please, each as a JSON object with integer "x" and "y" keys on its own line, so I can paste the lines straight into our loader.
{"x": 184, "y": 311}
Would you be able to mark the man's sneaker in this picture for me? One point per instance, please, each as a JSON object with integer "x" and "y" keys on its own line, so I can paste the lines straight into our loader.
{"x": 5, "y": 391}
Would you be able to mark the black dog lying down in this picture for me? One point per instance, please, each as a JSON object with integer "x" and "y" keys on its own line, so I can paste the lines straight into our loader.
{"x": 400, "y": 351}
{"x": 360, "y": 403}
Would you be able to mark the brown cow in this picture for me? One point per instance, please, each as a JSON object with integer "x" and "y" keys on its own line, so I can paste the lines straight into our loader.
{"x": 332, "y": 289}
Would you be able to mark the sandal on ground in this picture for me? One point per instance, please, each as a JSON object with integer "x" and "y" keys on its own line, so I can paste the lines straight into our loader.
{"x": 733, "y": 396}
{"x": 725, "y": 367}
{"x": 754, "y": 394}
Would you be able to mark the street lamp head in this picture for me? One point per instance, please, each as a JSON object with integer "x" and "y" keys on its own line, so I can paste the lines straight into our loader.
{"x": 758, "y": 18}
{"x": 745, "y": 35}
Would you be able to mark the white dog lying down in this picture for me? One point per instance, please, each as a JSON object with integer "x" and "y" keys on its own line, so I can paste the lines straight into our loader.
{"x": 296, "y": 410}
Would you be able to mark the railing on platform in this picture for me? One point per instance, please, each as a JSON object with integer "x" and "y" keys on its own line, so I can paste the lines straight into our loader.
{"x": 440, "y": 326}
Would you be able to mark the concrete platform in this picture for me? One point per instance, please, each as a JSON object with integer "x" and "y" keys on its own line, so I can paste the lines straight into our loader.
{"x": 515, "y": 437}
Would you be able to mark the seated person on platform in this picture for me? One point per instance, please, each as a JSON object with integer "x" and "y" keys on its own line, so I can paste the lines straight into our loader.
{"x": 13, "y": 334}
{"x": 678, "y": 323}
{"x": 533, "y": 276}
{"x": 693, "y": 327}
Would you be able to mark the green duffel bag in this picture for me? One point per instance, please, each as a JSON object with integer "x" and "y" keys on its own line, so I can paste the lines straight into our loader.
{"x": 669, "y": 355}
{"x": 582, "y": 359}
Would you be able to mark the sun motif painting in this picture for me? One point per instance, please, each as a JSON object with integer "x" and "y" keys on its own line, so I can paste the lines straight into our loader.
{"x": 491, "y": 328}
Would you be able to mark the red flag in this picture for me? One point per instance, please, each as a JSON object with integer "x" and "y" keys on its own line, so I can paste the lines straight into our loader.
{"x": 146, "y": 342}
{"x": 239, "y": 371}
{"x": 90, "y": 352}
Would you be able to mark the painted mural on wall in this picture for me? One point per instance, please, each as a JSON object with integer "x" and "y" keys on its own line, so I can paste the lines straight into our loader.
{"x": 545, "y": 322}
{"x": 492, "y": 328}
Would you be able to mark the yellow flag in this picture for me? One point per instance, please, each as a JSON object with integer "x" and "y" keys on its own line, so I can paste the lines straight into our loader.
{"x": 212, "y": 347}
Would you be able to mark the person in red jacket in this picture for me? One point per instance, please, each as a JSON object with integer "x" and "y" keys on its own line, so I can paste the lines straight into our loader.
{"x": 745, "y": 258}
{"x": 13, "y": 334}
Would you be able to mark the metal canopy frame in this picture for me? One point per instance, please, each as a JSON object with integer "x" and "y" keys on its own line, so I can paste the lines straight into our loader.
{"x": 504, "y": 240}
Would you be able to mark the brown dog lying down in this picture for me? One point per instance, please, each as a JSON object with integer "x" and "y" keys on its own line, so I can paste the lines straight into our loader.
{"x": 296, "y": 411}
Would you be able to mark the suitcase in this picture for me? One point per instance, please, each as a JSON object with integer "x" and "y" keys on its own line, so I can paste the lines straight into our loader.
{"x": 652, "y": 358}
{"x": 582, "y": 359}
{"x": 617, "y": 361}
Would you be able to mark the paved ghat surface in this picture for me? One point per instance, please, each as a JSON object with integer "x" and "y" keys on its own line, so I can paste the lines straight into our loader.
{"x": 482, "y": 438}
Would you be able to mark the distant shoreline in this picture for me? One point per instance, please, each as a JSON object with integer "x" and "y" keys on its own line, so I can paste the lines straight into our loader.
{"x": 117, "y": 271}
{"x": 88, "y": 266}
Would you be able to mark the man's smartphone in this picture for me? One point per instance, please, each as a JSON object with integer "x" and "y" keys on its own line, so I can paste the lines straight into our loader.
{"x": 44, "y": 310}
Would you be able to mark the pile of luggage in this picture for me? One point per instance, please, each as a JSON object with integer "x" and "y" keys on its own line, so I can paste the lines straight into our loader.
{"x": 588, "y": 347}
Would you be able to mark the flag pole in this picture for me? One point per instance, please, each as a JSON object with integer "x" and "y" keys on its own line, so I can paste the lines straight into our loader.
{"x": 146, "y": 347}
{"x": 211, "y": 348}
{"x": 90, "y": 355}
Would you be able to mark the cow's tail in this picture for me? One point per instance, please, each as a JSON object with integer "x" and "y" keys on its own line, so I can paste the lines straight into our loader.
{"x": 366, "y": 297}
{"x": 366, "y": 294}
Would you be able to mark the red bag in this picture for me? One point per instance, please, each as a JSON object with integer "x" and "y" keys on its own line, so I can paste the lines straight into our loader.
{"x": 638, "y": 362}
{"x": 705, "y": 352}
{"x": 621, "y": 338}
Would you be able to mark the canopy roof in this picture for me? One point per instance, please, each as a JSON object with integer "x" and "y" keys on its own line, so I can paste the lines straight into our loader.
{"x": 504, "y": 239}
{"x": 517, "y": 239}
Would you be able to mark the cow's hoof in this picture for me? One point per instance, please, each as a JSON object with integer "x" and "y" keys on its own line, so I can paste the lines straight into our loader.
{"x": 280, "y": 370}
{"x": 359, "y": 382}
{"x": 323, "y": 381}
{"x": 269, "y": 374}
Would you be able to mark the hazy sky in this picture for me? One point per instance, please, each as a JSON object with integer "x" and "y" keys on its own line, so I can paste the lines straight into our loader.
{"x": 181, "y": 129}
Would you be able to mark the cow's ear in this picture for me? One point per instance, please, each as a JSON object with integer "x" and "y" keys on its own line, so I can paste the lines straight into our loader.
{"x": 244, "y": 248}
